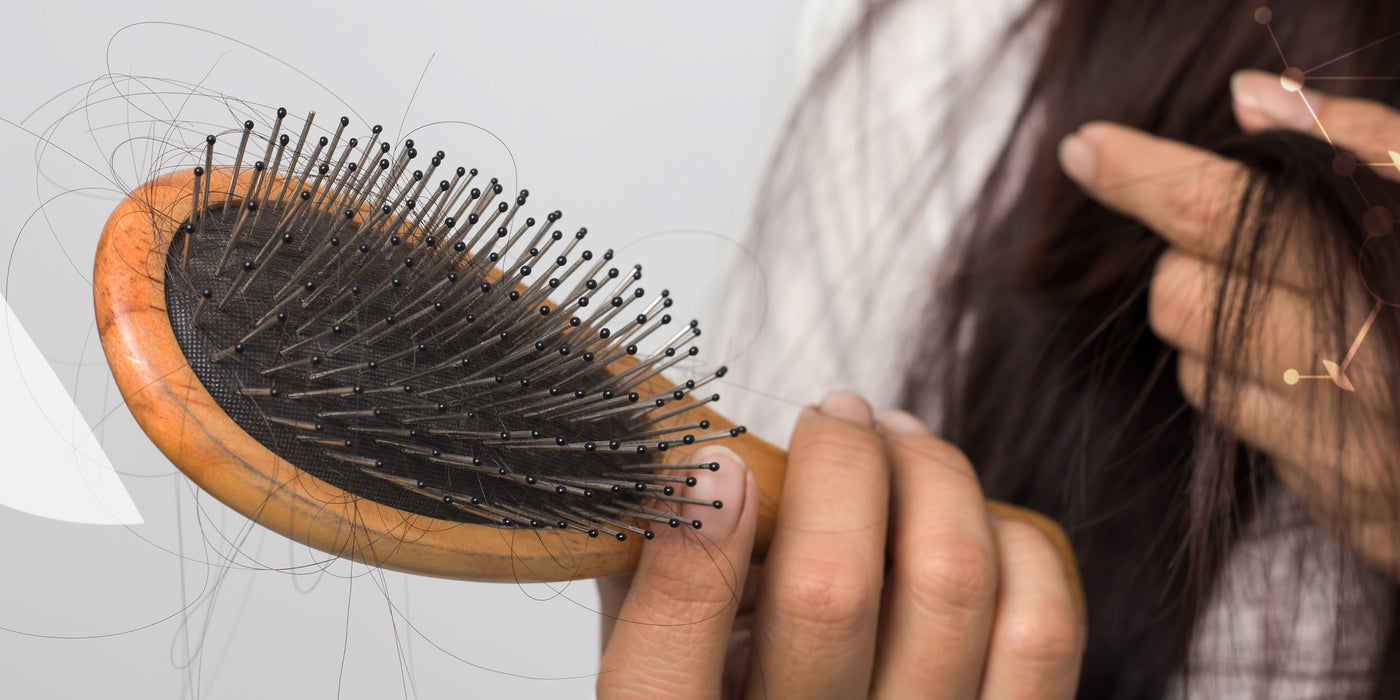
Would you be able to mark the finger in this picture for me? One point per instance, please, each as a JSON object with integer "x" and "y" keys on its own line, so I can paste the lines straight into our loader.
{"x": 1175, "y": 189}
{"x": 1338, "y": 463}
{"x": 1326, "y": 447}
{"x": 740, "y": 652}
{"x": 1038, "y": 636}
{"x": 1188, "y": 195}
{"x": 940, "y": 593}
{"x": 815, "y": 623}
{"x": 1284, "y": 332}
{"x": 612, "y": 593}
{"x": 673, "y": 629}
{"x": 1369, "y": 129}
{"x": 1051, "y": 531}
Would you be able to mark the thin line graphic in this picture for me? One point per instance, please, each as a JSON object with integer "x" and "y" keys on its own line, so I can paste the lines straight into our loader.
{"x": 1377, "y": 223}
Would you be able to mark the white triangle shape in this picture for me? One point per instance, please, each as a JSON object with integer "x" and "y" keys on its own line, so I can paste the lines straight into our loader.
{"x": 53, "y": 465}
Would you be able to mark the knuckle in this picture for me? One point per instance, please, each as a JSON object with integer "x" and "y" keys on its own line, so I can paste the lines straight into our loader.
{"x": 841, "y": 441}
{"x": 958, "y": 574}
{"x": 613, "y": 685}
{"x": 827, "y": 594}
{"x": 1186, "y": 208}
{"x": 1173, "y": 298}
{"x": 1364, "y": 474}
{"x": 1047, "y": 635}
{"x": 837, "y": 439}
{"x": 1191, "y": 378}
{"x": 932, "y": 449}
{"x": 1036, "y": 528}
{"x": 1363, "y": 121}
{"x": 673, "y": 594}
{"x": 1038, "y": 620}
{"x": 643, "y": 679}
{"x": 1163, "y": 309}
{"x": 677, "y": 589}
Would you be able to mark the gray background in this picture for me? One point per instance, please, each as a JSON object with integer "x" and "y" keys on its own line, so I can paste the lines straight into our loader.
{"x": 648, "y": 122}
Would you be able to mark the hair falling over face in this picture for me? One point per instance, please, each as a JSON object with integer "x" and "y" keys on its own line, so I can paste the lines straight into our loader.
{"x": 1059, "y": 392}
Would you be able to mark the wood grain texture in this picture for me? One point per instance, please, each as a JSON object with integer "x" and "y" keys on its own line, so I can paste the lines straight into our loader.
{"x": 178, "y": 414}
{"x": 183, "y": 420}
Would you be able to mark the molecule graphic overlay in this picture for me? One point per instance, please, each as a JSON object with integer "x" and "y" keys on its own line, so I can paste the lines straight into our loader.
{"x": 1377, "y": 221}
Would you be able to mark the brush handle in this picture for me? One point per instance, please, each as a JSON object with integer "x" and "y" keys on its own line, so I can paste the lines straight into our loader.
{"x": 184, "y": 421}
{"x": 769, "y": 465}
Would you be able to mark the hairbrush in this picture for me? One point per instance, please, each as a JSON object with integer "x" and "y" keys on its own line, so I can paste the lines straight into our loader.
{"x": 368, "y": 361}
{"x": 372, "y": 364}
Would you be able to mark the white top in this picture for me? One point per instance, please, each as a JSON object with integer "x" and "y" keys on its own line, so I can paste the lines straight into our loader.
{"x": 842, "y": 268}
{"x": 830, "y": 302}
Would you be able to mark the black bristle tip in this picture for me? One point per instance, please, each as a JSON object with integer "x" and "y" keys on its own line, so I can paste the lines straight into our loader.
{"x": 383, "y": 358}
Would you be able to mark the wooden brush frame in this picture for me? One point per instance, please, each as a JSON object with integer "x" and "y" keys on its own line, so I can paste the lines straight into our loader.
{"x": 179, "y": 415}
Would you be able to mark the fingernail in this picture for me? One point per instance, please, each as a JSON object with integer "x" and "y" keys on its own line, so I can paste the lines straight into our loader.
{"x": 724, "y": 486}
{"x": 1273, "y": 97}
{"x": 848, "y": 407}
{"x": 902, "y": 424}
{"x": 1078, "y": 159}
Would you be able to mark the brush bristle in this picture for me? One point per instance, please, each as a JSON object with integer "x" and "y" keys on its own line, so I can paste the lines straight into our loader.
{"x": 395, "y": 337}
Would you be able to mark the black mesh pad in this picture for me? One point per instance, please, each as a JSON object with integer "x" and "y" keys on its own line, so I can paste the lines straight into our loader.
{"x": 358, "y": 292}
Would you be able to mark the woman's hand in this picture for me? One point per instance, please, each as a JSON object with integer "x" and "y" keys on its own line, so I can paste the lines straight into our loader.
{"x": 1190, "y": 197}
{"x": 886, "y": 577}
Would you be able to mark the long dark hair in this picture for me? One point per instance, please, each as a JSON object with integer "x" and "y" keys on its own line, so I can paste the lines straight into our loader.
{"x": 1058, "y": 391}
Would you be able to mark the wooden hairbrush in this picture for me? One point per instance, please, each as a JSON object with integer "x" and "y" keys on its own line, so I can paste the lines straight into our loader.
{"x": 369, "y": 363}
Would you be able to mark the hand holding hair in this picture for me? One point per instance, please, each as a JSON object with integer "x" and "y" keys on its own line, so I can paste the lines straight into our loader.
{"x": 1190, "y": 197}
{"x": 886, "y": 577}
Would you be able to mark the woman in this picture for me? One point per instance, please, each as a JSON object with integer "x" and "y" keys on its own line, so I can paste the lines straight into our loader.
{"x": 1159, "y": 238}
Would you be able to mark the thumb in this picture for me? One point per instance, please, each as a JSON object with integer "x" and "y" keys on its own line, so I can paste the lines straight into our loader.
{"x": 672, "y": 632}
